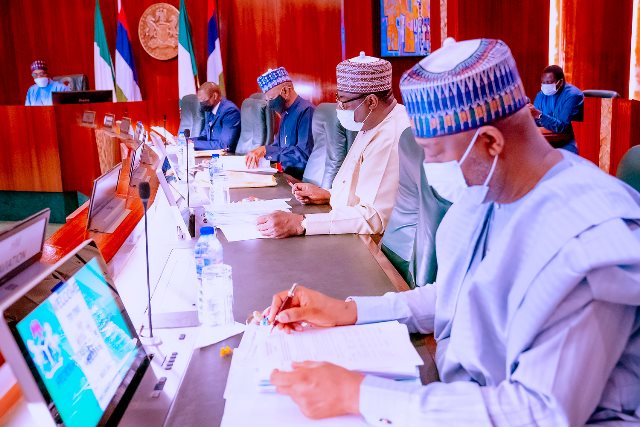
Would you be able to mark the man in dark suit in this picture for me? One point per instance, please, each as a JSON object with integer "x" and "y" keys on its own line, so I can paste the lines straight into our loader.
{"x": 221, "y": 128}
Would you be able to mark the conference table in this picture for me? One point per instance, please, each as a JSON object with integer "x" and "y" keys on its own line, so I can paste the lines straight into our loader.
{"x": 339, "y": 265}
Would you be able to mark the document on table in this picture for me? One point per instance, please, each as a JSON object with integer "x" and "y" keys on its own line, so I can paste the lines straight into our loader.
{"x": 239, "y": 163}
{"x": 382, "y": 347}
{"x": 209, "y": 335}
{"x": 241, "y": 232}
{"x": 208, "y": 153}
{"x": 238, "y": 221}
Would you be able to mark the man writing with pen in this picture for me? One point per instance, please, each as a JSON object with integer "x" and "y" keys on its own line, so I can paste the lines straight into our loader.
{"x": 364, "y": 190}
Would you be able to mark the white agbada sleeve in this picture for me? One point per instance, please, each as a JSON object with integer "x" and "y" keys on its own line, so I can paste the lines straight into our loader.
{"x": 558, "y": 381}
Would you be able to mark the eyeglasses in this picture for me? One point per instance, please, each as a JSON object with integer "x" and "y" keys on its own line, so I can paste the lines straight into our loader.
{"x": 342, "y": 103}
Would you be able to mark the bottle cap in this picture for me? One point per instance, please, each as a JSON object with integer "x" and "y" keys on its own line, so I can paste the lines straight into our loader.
{"x": 206, "y": 231}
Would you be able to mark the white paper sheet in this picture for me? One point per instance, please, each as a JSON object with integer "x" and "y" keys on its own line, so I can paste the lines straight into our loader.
{"x": 241, "y": 232}
{"x": 209, "y": 335}
{"x": 239, "y": 163}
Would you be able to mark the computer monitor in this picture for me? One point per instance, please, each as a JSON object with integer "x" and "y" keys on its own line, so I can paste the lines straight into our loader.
{"x": 104, "y": 191}
{"x": 71, "y": 343}
{"x": 21, "y": 245}
{"x": 82, "y": 97}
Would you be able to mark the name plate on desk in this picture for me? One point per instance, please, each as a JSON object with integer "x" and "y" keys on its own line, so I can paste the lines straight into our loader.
{"x": 21, "y": 245}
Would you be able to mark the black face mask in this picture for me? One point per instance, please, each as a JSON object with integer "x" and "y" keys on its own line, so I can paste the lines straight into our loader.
{"x": 277, "y": 104}
{"x": 206, "y": 106}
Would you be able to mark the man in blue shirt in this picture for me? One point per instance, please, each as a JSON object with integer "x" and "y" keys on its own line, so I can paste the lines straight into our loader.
{"x": 40, "y": 92}
{"x": 294, "y": 141}
{"x": 221, "y": 128}
{"x": 557, "y": 105}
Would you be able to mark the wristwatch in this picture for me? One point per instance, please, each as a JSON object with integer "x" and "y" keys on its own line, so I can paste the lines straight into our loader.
{"x": 539, "y": 116}
{"x": 303, "y": 224}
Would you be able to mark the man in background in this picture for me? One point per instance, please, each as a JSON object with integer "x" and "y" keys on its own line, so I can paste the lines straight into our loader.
{"x": 40, "y": 92}
{"x": 556, "y": 105}
{"x": 293, "y": 143}
{"x": 221, "y": 129}
{"x": 364, "y": 190}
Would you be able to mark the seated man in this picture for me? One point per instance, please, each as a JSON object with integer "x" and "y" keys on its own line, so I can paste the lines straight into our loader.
{"x": 40, "y": 92}
{"x": 364, "y": 190}
{"x": 535, "y": 305}
{"x": 293, "y": 143}
{"x": 221, "y": 128}
{"x": 557, "y": 105}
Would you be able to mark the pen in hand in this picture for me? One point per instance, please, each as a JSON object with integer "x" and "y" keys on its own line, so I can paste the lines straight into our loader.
{"x": 286, "y": 303}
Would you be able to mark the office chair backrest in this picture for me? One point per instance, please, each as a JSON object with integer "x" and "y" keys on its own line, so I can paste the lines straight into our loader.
{"x": 257, "y": 123}
{"x": 75, "y": 82}
{"x": 338, "y": 144}
{"x": 191, "y": 116}
{"x": 629, "y": 167}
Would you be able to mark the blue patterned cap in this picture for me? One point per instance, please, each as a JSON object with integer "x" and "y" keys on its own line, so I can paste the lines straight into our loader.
{"x": 273, "y": 78}
{"x": 462, "y": 86}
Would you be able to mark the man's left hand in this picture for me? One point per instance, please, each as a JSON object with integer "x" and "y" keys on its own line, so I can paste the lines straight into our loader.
{"x": 320, "y": 389}
{"x": 279, "y": 225}
{"x": 535, "y": 113}
{"x": 253, "y": 157}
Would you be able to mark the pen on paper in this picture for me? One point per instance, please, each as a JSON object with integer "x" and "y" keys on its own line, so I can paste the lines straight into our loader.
{"x": 286, "y": 303}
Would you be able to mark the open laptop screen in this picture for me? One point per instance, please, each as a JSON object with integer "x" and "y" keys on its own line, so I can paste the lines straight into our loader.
{"x": 104, "y": 190}
{"x": 79, "y": 342}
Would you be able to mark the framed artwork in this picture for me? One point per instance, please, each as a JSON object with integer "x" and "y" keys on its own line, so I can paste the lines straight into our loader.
{"x": 405, "y": 28}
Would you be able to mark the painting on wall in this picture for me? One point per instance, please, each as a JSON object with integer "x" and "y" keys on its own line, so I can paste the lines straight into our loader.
{"x": 404, "y": 29}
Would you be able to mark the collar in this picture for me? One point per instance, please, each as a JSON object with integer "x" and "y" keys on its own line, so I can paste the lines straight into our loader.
{"x": 295, "y": 104}
{"x": 215, "y": 109}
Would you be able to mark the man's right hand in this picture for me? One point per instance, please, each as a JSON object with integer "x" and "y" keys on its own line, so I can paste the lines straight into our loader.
{"x": 311, "y": 307}
{"x": 309, "y": 194}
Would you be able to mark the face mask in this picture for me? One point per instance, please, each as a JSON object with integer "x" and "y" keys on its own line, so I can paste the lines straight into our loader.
{"x": 549, "y": 88}
{"x": 448, "y": 180}
{"x": 41, "y": 81}
{"x": 277, "y": 104}
{"x": 348, "y": 121}
{"x": 206, "y": 106}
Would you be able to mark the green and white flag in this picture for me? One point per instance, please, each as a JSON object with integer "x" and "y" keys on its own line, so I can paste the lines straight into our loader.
{"x": 102, "y": 64}
{"x": 187, "y": 70}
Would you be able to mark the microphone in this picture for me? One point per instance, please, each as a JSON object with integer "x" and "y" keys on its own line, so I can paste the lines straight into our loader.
{"x": 144, "y": 191}
{"x": 192, "y": 217}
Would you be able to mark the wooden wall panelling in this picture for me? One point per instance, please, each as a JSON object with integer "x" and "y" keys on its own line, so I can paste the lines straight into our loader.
{"x": 30, "y": 159}
{"x": 625, "y": 132}
{"x": 596, "y": 43}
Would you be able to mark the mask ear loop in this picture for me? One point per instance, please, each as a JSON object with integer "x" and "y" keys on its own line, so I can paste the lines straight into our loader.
{"x": 370, "y": 111}
{"x": 469, "y": 147}
{"x": 491, "y": 171}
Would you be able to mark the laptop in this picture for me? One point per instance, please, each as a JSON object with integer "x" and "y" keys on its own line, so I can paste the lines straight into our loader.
{"x": 106, "y": 208}
{"x": 24, "y": 240}
{"x": 71, "y": 343}
{"x": 82, "y": 97}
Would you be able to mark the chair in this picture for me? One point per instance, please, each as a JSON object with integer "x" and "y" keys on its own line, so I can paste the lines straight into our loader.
{"x": 191, "y": 116}
{"x": 629, "y": 167}
{"x": 325, "y": 129}
{"x": 75, "y": 82}
{"x": 257, "y": 124}
{"x": 409, "y": 238}
{"x": 597, "y": 93}
{"x": 337, "y": 148}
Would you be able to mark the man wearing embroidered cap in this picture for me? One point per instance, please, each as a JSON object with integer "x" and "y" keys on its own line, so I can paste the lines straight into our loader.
{"x": 40, "y": 92}
{"x": 535, "y": 303}
{"x": 293, "y": 143}
{"x": 364, "y": 189}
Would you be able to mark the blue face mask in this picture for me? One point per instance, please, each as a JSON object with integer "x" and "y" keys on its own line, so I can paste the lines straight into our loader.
{"x": 277, "y": 104}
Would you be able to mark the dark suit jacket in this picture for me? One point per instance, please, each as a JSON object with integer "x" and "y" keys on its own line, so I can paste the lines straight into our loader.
{"x": 220, "y": 130}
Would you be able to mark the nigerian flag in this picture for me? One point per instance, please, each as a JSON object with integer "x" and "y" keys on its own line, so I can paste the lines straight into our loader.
{"x": 102, "y": 64}
{"x": 187, "y": 70}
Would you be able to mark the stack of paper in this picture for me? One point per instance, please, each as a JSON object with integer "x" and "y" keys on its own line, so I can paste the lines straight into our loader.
{"x": 238, "y": 220}
{"x": 381, "y": 349}
{"x": 239, "y": 163}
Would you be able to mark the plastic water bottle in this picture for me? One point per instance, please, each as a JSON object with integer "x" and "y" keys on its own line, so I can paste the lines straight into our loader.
{"x": 219, "y": 193}
{"x": 208, "y": 250}
{"x": 215, "y": 296}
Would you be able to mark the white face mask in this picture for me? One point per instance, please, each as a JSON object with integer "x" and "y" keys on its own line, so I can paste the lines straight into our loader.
{"x": 348, "y": 121}
{"x": 448, "y": 180}
{"x": 549, "y": 88}
{"x": 41, "y": 81}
